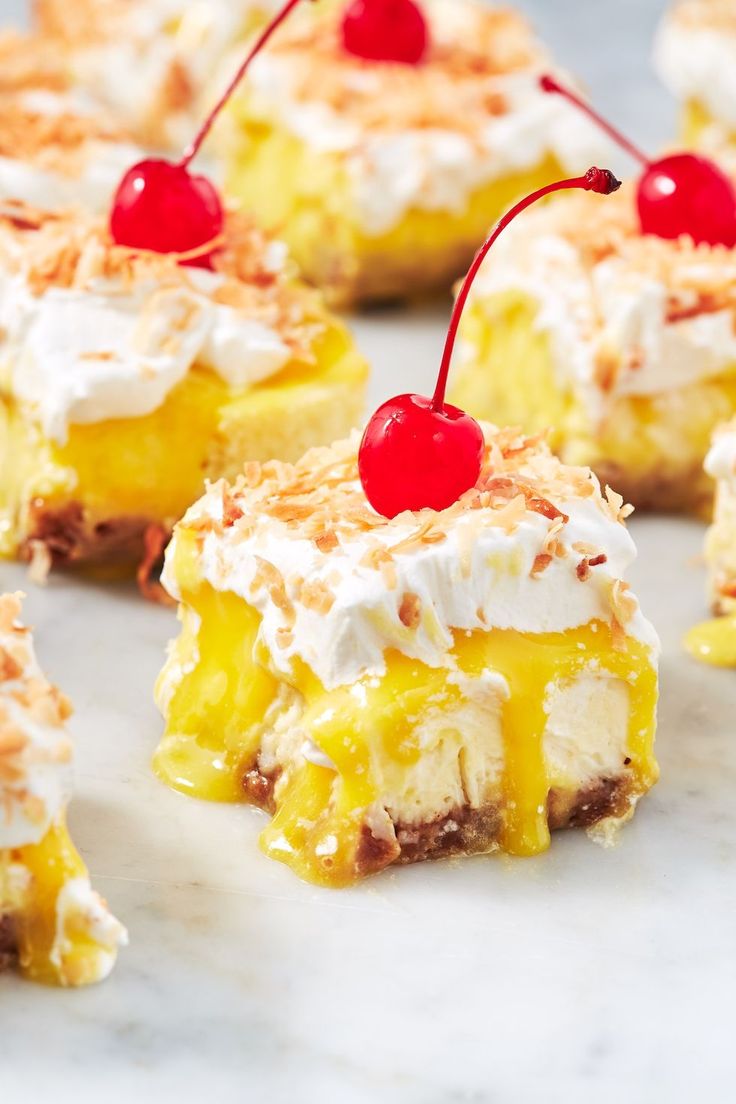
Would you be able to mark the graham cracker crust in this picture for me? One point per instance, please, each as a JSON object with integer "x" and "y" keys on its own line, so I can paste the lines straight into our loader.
{"x": 8, "y": 950}
{"x": 71, "y": 537}
{"x": 465, "y": 831}
{"x": 688, "y": 491}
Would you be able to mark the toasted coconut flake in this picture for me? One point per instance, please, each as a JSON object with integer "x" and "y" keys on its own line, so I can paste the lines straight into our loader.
{"x": 455, "y": 88}
{"x": 10, "y": 607}
{"x": 410, "y": 610}
{"x": 541, "y": 562}
{"x": 623, "y": 602}
{"x": 317, "y": 596}
{"x": 72, "y": 250}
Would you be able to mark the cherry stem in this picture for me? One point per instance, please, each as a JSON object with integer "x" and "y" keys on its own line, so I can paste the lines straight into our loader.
{"x": 194, "y": 146}
{"x": 549, "y": 84}
{"x": 595, "y": 180}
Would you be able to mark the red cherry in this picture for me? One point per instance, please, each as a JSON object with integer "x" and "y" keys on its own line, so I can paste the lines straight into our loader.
{"x": 434, "y": 456}
{"x": 162, "y": 207}
{"x": 678, "y": 194}
{"x": 386, "y": 30}
{"x": 684, "y": 191}
{"x": 418, "y": 452}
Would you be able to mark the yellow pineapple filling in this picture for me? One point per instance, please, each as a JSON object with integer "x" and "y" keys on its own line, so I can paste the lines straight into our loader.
{"x": 656, "y": 440}
{"x": 154, "y": 467}
{"x": 306, "y": 196}
{"x": 696, "y": 120}
{"x": 31, "y": 880}
{"x": 219, "y": 693}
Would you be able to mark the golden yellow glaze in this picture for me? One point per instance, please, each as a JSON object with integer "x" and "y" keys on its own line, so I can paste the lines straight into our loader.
{"x": 218, "y": 687}
{"x": 651, "y": 447}
{"x": 714, "y": 641}
{"x": 154, "y": 467}
{"x": 306, "y": 196}
{"x": 51, "y": 863}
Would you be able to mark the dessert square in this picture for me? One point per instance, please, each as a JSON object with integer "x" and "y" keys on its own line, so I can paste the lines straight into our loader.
{"x": 720, "y": 548}
{"x": 384, "y": 176}
{"x": 624, "y": 343}
{"x": 444, "y": 683}
{"x": 695, "y": 56}
{"x": 172, "y": 46}
{"x": 128, "y": 379}
{"x": 53, "y": 926}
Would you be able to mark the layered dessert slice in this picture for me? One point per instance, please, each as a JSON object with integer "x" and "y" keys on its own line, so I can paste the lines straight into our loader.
{"x": 448, "y": 682}
{"x": 383, "y": 162}
{"x": 715, "y": 641}
{"x": 52, "y": 924}
{"x": 720, "y": 464}
{"x": 173, "y": 48}
{"x": 127, "y": 379}
{"x": 695, "y": 56}
{"x": 623, "y": 342}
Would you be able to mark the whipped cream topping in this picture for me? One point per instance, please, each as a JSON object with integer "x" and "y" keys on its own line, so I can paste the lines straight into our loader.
{"x": 60, "y": 172}
{"x": 618, "y": 325}
{"x": 720, "y": 462}
{"x": 478, "y": 573}
{"x": 112, "y": 349}
{"x": 696, "y": 59}
{"x": 93, "y": 188}
{"x": 173, "y": 47}
{"x": 35, "y": 749}
{"x": 394, "y": 169}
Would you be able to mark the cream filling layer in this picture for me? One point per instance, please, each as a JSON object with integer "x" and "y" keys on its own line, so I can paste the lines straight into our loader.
{"x": 462, "y": 760}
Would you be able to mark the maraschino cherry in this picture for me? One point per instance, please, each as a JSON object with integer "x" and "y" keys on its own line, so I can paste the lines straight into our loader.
{"x": 160, "y": 206}
{"x": 386, "y": 30}
{"x": 682, "y": 193}
{"x": 419, "y": 452}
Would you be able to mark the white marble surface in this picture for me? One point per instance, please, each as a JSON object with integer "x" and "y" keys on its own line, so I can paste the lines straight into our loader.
{"x": 582, "y": 975}
{"x": 572, "y": 976}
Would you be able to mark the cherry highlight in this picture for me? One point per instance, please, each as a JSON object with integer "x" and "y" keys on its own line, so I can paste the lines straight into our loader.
{"x": 418, "y": 452}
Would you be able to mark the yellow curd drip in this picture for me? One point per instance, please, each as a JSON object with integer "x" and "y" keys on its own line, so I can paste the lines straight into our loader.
{"x": 216, "y": 711}
{"x": 51, "y": 863}
{"x": 714, "y": 641}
